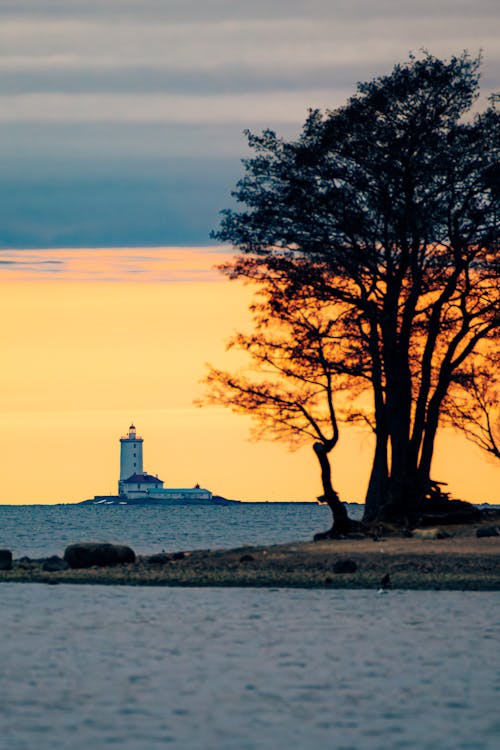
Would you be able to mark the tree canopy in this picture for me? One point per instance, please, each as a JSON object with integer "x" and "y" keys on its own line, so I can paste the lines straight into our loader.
{"x": 385, "y": 210}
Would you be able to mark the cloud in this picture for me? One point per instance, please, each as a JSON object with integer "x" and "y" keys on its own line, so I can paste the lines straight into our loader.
{"x": 52, "y": 77}
{"x": 117, "y": 202}
{"x": 189, "y": 10}
{"x": 36, "y": 150}
{"x": 124, "y": 264}
{"x": 291, "y": 42}
{"x": 121, "y": 121}
{"x": 196, "y": 61}
{"x": 237, "y": 108}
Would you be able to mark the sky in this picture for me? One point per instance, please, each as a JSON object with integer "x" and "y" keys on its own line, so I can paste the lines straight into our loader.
{"x": 94, "y": 339}
{"x": 121, "y": 122}
{"x": 121, "y": 126}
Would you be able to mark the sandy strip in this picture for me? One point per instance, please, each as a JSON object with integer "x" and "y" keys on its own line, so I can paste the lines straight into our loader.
{"x": 456, "y": 563}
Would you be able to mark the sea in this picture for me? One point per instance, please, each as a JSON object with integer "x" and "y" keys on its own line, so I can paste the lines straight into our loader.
{"x": 144, "y": 668}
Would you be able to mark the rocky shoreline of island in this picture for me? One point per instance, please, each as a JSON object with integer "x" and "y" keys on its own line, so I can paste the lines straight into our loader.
{"x": 449, "y": 557}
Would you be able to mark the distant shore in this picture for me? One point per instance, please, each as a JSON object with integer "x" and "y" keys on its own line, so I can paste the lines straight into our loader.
{"x": 460, "y": 561}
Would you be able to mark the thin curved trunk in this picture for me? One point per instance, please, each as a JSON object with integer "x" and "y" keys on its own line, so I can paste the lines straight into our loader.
{"x": 330, "y": 497}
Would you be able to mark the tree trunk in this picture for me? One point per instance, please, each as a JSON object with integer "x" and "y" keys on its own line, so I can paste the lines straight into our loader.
{"x": 341, "y": 521}
{"x": 403, "y": 497}
{"x": 398, "y": 419}
{"x": 377, "y": 486}
{"x": 424, "y": 469}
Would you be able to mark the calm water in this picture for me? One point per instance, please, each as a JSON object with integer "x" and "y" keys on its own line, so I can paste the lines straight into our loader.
{"x": 247, "y": 669}
{"x": 235, "y": 669}
{"x": 38, "y": 530}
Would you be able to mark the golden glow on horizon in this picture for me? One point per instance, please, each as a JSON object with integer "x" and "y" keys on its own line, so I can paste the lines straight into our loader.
{"x": 118, "y": 335}
{"x": 113, "y": 264}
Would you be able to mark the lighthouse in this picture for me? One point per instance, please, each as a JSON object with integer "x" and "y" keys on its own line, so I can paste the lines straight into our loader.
{"x": 136, "y": 484}
{"x": 130, "y": 455}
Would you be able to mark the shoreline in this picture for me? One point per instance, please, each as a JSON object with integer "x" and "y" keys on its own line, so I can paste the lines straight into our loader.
{"x": 461, "y": 561}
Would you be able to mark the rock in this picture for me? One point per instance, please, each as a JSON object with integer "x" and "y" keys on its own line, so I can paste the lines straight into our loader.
{"x": 488, "y": 531}
{"x": 439, "y": 510}
{"x": 429, "y": 534}
{"x": 178, "y": 556}
{"x": 161, "y": 558}
{"x": 385, "y": 583}
{"x": 5, "y": 559}
{"x": 492, "y": 514}
{"x": 345, "y": 566}
{"x": 87, "y": 554}
{"x": 247, "y": 558}
{"x": 54, "y": 563}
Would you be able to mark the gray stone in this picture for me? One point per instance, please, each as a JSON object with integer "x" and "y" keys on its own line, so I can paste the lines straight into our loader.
{"x": 345, "y": 566}
{"x": 5, "y": 559}
{"x": 247, "y": 558}
{"x": 161, "y": 558}
{"x": 88, "y": 554}
{"x": 488, "y": 531}
{"x": 54, "y": 563}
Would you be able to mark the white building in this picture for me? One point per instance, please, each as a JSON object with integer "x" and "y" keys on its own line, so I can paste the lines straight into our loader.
{"x": 135, "y": 483}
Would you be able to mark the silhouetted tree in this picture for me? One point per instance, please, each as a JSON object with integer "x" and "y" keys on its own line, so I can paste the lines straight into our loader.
{"x": 473, "y": 405}
{"x": 294, "y": 376}
{"x": 387, "y": 206}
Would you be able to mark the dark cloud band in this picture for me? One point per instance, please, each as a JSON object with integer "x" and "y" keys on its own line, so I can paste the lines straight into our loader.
{"x": 161, "y": 79}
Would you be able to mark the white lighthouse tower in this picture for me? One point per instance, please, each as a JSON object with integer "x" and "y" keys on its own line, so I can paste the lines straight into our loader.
{"x": 130, "y": 455}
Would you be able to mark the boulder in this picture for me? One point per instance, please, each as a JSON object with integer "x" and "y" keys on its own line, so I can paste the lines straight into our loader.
{"x": 5, "y": 559}
{"x": 345, "y": 566}
{"x": 488, "y": 531}
{"x": 247, "y": 558}
{"x": 161, "y": 558}
{"x": 54, "y": 563}
{"x": 87, "y": 554}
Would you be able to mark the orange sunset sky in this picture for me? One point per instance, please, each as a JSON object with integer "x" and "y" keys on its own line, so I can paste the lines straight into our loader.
{"x": 95, "y": 339}
{"x": 122, "y": 126}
